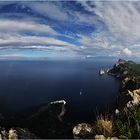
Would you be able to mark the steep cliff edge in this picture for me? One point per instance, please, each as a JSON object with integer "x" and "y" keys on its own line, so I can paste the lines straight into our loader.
{"x": 124, "y": 122}
{"x": 128, "y": 72}
{"x": 48, "y": 122}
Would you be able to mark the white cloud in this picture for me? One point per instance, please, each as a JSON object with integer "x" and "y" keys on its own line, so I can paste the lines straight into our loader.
{"x": 82, "y": 18}
{"x": 47, "y": 48}
{"x": 95, "y": 40}
{"x": 25, "y": 26}
{"x": 56, "y": 11}
{"x": 49, "y": 9}
{"x": 118, "y": 24}
{"x": 13, "y": 55}
{"x": 127, "y": 52}
{"x": 121, "y": 18}
{"x": 122, "y": 22}
{"x": 32, "y": 42}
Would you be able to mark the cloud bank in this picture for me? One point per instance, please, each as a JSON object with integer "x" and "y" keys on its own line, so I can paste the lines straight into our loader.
{"x": 92, "y": 28}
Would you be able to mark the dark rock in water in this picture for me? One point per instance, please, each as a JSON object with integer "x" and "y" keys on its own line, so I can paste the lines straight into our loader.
{"x": 101, "y": 72}
{"x": 62, "y": 103}
{"x": 47, "y": 122}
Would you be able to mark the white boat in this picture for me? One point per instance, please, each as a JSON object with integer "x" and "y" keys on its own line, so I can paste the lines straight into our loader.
{"x": 101, "y": 72}
{"x": 81, "y": 92}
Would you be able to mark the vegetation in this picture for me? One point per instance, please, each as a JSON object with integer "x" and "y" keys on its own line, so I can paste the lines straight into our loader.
{"x": 128, "y": 123}
{"x": 124, "y": 125}
{"x": 104, "y": 126}
{"x": 135, "y": 68}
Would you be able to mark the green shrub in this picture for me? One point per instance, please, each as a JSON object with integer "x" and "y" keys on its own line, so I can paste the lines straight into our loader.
{"x": 128, "y": 125}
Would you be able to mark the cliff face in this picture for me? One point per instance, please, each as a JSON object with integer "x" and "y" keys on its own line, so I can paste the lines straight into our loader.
{"x": 124, "y": 122}
{"x": 127, "y": 123}
{"x": 46, "y": 122}
{"x": 121, "y": 68}
{"x": 126, "y": 72}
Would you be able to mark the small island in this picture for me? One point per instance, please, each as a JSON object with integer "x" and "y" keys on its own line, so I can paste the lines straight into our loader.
{"x": 101, "y": 72}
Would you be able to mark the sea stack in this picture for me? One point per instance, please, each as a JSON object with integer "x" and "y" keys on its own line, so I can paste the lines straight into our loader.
{"x": 101, "y": 72}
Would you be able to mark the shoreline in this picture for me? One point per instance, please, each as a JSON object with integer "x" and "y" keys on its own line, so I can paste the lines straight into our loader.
{"x": 47, "y": 120}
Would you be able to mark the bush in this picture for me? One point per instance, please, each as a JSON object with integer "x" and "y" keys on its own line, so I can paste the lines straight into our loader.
{"x": 128, "y": 125}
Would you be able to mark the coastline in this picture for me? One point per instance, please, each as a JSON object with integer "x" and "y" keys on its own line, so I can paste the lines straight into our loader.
{"x": 49, "y": 118}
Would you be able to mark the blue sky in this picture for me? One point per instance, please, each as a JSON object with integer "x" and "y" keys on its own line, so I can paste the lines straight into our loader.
{"x": 69, "y": 29}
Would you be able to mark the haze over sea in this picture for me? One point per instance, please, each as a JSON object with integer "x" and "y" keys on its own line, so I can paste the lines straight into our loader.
{"x": 28, "y": 83}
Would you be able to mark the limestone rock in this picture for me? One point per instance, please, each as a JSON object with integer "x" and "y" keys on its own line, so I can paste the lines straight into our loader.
{"x": 100, "y": 137}
{"x": 12, "y": 134}
{"x": 17, "y": 133}
{"x": 117, "y": 111}
{"x": 112, "y": 138}
{"x": 135, "y": 94}
{"x": 82, "y": 130}
{"x": 62, "y": 112}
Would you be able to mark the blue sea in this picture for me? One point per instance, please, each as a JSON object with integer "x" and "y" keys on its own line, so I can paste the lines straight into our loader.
{"x": 28, "y": 83}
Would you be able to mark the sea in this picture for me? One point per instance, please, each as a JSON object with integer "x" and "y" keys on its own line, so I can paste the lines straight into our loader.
{"x": 26, "y": 84}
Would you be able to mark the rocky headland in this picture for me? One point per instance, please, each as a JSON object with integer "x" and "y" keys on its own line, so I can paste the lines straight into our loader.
{"x": 124, "y": 122}
{"x": 48, "y": 122}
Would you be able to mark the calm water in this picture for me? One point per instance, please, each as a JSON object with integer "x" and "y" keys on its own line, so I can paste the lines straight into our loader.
{"x": 24, "y": 84}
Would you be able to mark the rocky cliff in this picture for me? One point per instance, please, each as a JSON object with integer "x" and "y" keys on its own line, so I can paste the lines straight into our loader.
{"x": 47, "y": 122}
{"x": 124, "y": 122}
{"x": 129, "y": 78}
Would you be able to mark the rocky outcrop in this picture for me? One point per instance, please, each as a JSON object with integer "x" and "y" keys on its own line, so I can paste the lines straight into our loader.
{"x": 48, "y": 122}
{"x": 120, "y": 69}
{"x": 83, "y": 130}
{"x": 101, "y": 72}
{"x": 135, "y": 94}
{"x": 102, "y": 137}
{"x": 17, "y": 133}
{"x": 62, "y": 112}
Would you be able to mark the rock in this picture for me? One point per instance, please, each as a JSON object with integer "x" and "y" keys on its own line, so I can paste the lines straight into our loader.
{"x": 120, "y": 69}
{"x": 82, "y": 130}
{"x": 101, "y": 72}
{"x": 121, "y": 61}
{"x": 125, "y": 72}
{"x": 117, "y": 111}
{"x": 25, "y": 134}
{"x": 12, "y": 134}
{"x": 47, "y": 122}
{"x": 112, "y": 138}
{"x": 135, "y": 94}
{"x": 61, "y": 114}
{"x": 17, "y": 133}
{"x": 100, "y": 137}
{"x": 4, "y": 134}
{"x": 131, "y": 62}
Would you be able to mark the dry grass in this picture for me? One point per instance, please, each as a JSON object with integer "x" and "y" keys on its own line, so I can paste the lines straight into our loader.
{"x": 104, "y": 125}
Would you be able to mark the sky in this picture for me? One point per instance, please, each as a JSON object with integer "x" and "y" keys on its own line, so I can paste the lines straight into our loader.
{"x": 69, "y": 29}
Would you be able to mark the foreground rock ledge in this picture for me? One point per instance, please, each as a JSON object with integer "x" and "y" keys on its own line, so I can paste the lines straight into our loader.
{"x": 82, "y": 130}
